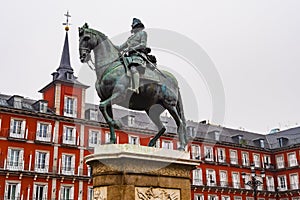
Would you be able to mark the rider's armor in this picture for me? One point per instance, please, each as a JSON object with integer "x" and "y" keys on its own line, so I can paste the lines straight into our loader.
{"x": 136, "y": 47}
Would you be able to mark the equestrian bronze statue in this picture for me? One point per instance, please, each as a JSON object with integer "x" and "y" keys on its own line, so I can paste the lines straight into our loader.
{"x": 157, "y": 90}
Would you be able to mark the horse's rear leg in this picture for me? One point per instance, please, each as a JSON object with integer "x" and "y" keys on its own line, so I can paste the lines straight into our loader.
{"x": 180, "y": 127}
{"x": 154, "y": 113}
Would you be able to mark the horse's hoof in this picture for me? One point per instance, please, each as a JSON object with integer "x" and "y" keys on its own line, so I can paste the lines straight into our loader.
{"x": 117, "y": 125}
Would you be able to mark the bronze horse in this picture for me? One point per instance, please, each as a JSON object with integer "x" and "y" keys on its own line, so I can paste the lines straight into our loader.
{"x": 113, "y": 82}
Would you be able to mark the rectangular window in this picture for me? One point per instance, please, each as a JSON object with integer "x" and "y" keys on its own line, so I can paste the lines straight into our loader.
{"x": 41, "y": 161}
{"x": 131, "y": 120}
{"x": 209, "y": 154}
{"x": 94, "y": 115}
{"x": 94, "y": 138}
{"x": 267, "y": 161}
{"x": 211, "y": 177}
{"x": 225, "y": 197}
{"x": 280, "y": 161}
{"x": 12, "y": 191}
{"x": 282, "y": 183}
{"x": 68, "y": 164}
{"x": 270, "y": 183}
{"x": 245, "y": 159}
{"x": 67, "y": 193}
{"x": 223, "y": 179}
{"x": 17, "y": 128}
{"x": 15, "y": 160}
{"x": 260, "y": 186}
{"x": 256, "y": 160}
{"x": 167, "y": 144}
{"x": 195, "y": 152}
{"x": 198, "y": 197}
{"x": 70, "y": 106}
{"x": 43, "y": 132}
{"x": 197, "y": 177}
{"x": 107, "y": 137}
{"x": 292, "y": 160}
{"x": 212, "y": 197}
{"x": 294, "y": 181}
{"x": 90, "y": 193}
{"x": 233, "y": 157}
{"x": 237, "y": 198}
{"x": 247, "y": 179}
{"x": 235, "y": 180}
{"x": 40, "y": 191}
{"x": 221, "y": 155}
{"x": 69, "y": 135}
{"x": 134, "y": 140}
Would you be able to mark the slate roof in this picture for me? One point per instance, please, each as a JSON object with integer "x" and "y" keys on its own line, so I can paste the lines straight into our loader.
{"x": 203, "y": 131}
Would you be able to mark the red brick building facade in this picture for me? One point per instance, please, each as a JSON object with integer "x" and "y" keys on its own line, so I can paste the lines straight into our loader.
{"x": 44, "y": 142}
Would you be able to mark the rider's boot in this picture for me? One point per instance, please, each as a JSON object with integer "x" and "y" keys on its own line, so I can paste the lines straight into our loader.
{"x": 136, "y": 82}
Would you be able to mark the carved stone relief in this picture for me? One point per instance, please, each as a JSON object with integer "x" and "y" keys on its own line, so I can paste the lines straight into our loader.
{"x": 146, "y": 193}
{"x": 100, "y": 193}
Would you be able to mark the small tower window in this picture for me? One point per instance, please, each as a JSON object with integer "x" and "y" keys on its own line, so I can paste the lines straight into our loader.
{"x": 131, "y": 120}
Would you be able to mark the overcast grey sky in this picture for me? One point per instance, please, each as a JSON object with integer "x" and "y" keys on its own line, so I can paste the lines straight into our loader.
{"x": 254, "y": 45}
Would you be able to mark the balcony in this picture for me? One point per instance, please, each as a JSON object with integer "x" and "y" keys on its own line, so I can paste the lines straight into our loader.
{"x": 14, "y": 165}
{"x": 17, "y": 135}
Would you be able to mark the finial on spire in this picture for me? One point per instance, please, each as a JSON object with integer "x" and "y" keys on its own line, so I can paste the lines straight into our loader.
{"x": 66, "y": 24}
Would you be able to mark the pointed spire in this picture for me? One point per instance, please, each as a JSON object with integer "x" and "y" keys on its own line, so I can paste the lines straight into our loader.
{"x": 65, "y": 57}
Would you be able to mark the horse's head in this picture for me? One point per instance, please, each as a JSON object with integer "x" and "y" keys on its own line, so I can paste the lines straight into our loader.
{"x": 88, "y": 40}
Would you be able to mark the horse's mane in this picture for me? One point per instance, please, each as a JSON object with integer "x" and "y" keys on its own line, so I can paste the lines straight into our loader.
{"x": 102, "y": 35}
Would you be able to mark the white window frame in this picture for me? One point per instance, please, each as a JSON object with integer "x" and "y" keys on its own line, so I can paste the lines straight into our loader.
{"x": 37, "y": 166}
{"x": 209, "y": 153}
{"x": 245, "y": 158}
{"x": 195, "y": 152}
{"x": 237, "y": 198}
{"x": 221, "y": 156}
{"x": 270, "y": 183}
{"x": 45, "y": 135}
{"x": 247, "y": 179}
{"x": 133, "y": 139}
{"x": 93, "y": 115}
{"x": 62, "y": 194}
{"x": 280, "y": 161}
{"x": 17, "y": 130}
{"x": 233, "y": 157}
{"x": 294, "y": 181}
{"x": 131, "y": 120}
{"x": 212, "y": 197}
{"x": 197, "y": 177}
{"x": 90, "y": 193}
{"x": 68, "y": 167}
{"x": 167, "y": 144}
{"x": 198, "y": 196}
{"x": 267, "y": 161}
{"x": 107, "y": 137}
{"x": 223, "y": 178}
{"x": 36, "y": 186}
{"x": 191, "y": 131}
{"x": 70, "y": 109}
{"x": 256, "y": 159}
{"x": 211, "y": 177}
{"x": 235, "y": 180}
{"x": 17, "y": 190}
{"x": 292, "y": 159}
{"x": 282, "y": 182}
{"x": 15, "y": 164}
{"x": 225, "y": 197}
{"x": 66, "y": 135}
{"x": 94, "y": 138}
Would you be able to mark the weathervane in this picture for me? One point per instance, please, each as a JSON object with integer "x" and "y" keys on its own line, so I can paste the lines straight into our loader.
{"x": 67, "y": 21}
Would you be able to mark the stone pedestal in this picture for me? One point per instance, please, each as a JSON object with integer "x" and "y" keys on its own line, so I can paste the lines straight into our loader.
{"x": 131, "y": 172}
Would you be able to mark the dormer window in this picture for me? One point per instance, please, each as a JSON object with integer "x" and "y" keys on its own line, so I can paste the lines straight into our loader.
{"x": 16, "y": 101}
{"x": 280, "y": 142}
{"x": 262, "y": 143}
{"x": 70, "y": 106}
{"x": 217, "y": 135}
{"x": 191, "y": 131}
{"x": 69, "y": 76}
{"x": 131, "y": 120}
{"x": 43, "y": 107}
{"x": 94, "y": 115}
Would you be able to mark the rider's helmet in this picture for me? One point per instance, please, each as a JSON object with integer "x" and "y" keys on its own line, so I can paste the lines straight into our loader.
{"x": 136, "y": 23}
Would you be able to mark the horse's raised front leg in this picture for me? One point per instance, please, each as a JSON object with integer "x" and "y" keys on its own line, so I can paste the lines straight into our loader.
{"x": 106, "y": 109}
